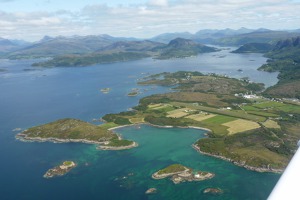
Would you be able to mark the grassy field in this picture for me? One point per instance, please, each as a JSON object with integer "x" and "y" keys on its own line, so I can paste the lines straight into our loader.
{"x": 268, "y": 104}
{"x": 200, "y": 117}
{"x": 222, "y": 112}
{"x": 178, "y": 113}
{"x": 155, "y": 105}
{"x": 290, "y": 108}
{"x": 240, "y": 125}
{"x": 263, "y": 114}
{"x": 136, "y": 120}
{"x": 109, "y": 125}
{"x": 274, "y": 106}
{"x": 205, "y": 98}
{"x": 250, "y": 108}
{"x": 219, "y": 119}
{"x": 161, "y": 107}
{"x": 271, "y": 124}
{"x": 215, "y": 124}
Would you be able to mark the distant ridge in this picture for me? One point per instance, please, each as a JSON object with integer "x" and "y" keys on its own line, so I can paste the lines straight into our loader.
{"x": 48, "y": 46}
{"x": 78, "y": 45}
{"x": 180, "y": 48}
{"x": 254, "y": 48}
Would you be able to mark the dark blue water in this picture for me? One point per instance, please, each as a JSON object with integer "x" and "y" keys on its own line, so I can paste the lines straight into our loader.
{"x": 37, "y": 96}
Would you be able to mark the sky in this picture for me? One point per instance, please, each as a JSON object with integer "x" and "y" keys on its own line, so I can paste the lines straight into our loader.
{"x": 33, "y": 19}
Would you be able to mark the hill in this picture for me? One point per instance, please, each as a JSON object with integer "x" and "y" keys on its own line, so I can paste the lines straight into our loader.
{"x": 49, "y": 47}
{"x": 229, "y": 37}
{"x": 90, "y": 59}
{"x": 285, "y": 58}
{"x": 206, "y": 36}
{"x": 254, "y": 48}
{"x": 167, "y": 37}
{"x": 258, "y": 36}
{"x": 11, "y": 45}
{"x": 130, "y": 50}
{"x": 180, "y": 48}
{"x": 131, "y": 46}
{"x": 74, "y": 130}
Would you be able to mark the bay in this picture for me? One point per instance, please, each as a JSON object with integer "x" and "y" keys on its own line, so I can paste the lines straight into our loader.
{"x": 32, "y": 96}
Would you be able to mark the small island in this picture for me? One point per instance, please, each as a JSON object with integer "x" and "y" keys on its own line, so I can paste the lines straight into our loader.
{"x": 105, "y": 90}
{"x": 180, "y": 173}
{"x": 60, "y": 170}
{"x": 118, "y": 144}
{"x": 214, "y": 191}
{"x": 134, "y": 92}
{"x": 151, "y": 191}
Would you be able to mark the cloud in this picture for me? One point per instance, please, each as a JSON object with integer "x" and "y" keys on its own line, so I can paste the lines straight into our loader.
{"x": 158, "y": 3}
{"x": 152, "y": 18}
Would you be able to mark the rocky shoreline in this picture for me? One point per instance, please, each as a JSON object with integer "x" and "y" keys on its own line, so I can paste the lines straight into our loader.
{"x": 158, "y": 126}
{"x": 184, "y": 175}
{"x": 103, "y": 147}
{"x": 158, "y": 176}
{"x": 257, "y": 169}
{"x": 24, "y": 138}
{"x": 60, "y": 170}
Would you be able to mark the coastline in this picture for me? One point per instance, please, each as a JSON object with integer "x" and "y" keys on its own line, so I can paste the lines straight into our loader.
{"x": 251, "y": 168}
{"x": 101, "y": 146}
{"x": 165, "y": 175}
{"x": 22, "y": 137}
{"x": 133, "y": 145}
{"x": 159, "y": 126}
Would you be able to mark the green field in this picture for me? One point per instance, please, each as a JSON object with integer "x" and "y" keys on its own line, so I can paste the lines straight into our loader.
{"x": 263, "y": 113}
{"x": 219, "y": 119}
{"x": 222, "y": 112}
{"x": 273, "y": 106}
{"x": 109, "y": 125}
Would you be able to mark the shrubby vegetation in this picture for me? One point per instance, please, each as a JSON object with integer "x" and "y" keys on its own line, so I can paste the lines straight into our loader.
{"x": 259, "y": 147}
{"x": 285, "y": 58}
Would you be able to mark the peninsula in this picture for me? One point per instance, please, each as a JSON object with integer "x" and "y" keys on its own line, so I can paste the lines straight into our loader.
{"x": 179, "y": 173}
{"x": 60, "y": 170}
{"x": 244, "y": 127}
{"x": 74, "y": 130}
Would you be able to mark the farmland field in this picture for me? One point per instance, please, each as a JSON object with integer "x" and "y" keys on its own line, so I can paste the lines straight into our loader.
{"x": 240, "y": 125}
{"x": 136, "y": 120}
{"x": 219, "y": 119}
{"x": 178, "y": 113}
{"x": 271, "y": 124}
{"x": 222, "y": 111}
{"x": 201, "y": 116}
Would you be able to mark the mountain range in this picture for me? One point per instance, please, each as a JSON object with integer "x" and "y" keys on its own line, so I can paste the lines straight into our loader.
{"x": 281, "y": 47}
{"x": 54, "y": 46}
{"x": 131, "y": 50}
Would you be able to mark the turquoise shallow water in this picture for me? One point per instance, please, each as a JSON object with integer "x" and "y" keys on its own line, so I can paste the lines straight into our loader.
{"x": 38, "y": 96}
{"x": 161, "y": 147}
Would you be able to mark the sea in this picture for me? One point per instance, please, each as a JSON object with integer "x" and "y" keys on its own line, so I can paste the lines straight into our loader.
{"x": 31, "y": 96}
